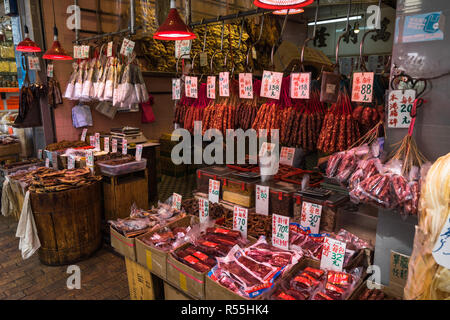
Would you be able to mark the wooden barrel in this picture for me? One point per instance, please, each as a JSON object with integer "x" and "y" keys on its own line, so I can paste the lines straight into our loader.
{"x": 68, "y": 223}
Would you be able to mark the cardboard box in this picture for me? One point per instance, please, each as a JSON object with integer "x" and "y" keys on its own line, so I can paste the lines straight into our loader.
{"x": 139, "y": 281}
{"x": 123, "y": 245}
{"x": 154, "y": 258}
{"x": 185, "y": 278}
{"x": 170, "y": 293}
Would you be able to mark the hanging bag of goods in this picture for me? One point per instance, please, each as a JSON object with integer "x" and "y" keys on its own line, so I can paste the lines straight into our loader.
{"x": 29, "y": 105}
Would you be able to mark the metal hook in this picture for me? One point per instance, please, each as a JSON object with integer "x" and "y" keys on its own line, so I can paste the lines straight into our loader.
{"x": 240, "y": 33}
{"x": 361, "y": 50}
{"x": 204, "y": 37}
{"x": 279, "y": 39}
{"x": 302, "y": 56}
{"x": 178, "y": 60}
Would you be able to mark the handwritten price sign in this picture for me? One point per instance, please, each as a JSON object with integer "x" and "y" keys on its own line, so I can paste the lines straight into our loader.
{"x": 280, "y": 231}
{"x": 71, "y": 162}
{"x": 362, "y": 88}
{"x": 176, "y": 89}
{"x": 399, "y": 108}
{"x": 33, "y": 63}
{"x": 183, "y": 48}
{"x": 311, "y": 214}
{"x": 262, "y": 200}
{"x": 333, "y": 253}
{"x": 176, "y": 201}
{"x": 50, "y": 70}
{"x": 287, "y": 156}
{"x": 124, "y": 146}
{"x": 271, "y": 84}
{"x": 203, "y": 210}
{"x": 245, "y": 86}
{"x": 106, "y": 144}
{"x": 83, "y": 135}
{"x": 191, "y": 87}
{"x": 127, "y": 47}
{"x": 211, "y": 87}
{"x": 240, "y": 218}
{"x": 139, "y": 152}
{"x": 224, "y": 84}
{"x": 441, "y": 250}
{"x": 114, "y": 145}
{"x": 214, "y": 190}
{"x": 92, "y": 141}
{"x": 97, "y": 141}
{"x": 300, "y": 85}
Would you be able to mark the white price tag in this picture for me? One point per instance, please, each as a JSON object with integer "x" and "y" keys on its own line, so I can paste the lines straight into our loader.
{"x": 55, "y": 160}
{"x": 124, "y": 146}
{"x": 271, "y": 84}
{"x": 280, "y": 231}
{"x": 224, "y": 84}
{"x": 214, "y": 190}
{"x": 183, "y": 48}
{"x": 362, "y": 87}
{"x": 106, "y": 144}
{"x": 262, "y": 200}
{"x": 90, "y": 160}
{"x": 47, "y": 162}
{"x": 33, "y": 63}
{"x": 287, "y": 156}
{"x": 127, "y": 47}
{"x": 400, "y": 105}
{"x": 85, "y": 53}
{"x": 441, "y": 249}
{"x": 310, "y": 217}
{"x": 70, "y": 162}
{"x": 176, "y": 201}
{"x": 245, "y": 86}
{"x": 203, "y": 210}
{"x": 76, "y": 52}
{"x": 114, "y": 145}
{"x": 240, "y": 219}
{"x": 109, "y": 50}
{"x": 211, "y": 87}
{"x": 191, "y": 87}
{"x": 300, "y": 86}
{"x": 40, "y": 154}
{"x": 139, "y": 152}
{"x": 97, "y": 141}
{"x": 83, "y": 135}
{"x": 50, "y": 70}
{"x": 333, "y": 253}
{"x": 176, "y": 89}
{"x": 92, "y": 141}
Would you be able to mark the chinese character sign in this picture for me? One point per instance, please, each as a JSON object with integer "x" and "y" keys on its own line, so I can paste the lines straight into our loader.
{"x": 280, "y": 231}
{"x": 176, "y": 201}
{"x": 287, "y": 156}
{"x": 214, "y": 190}
{"x": 441, "y": 250}
{"x": 190, "y": 87}
{"x": 114, "y": 145}
{"x": 262, "y": 200}
{"x": 362, "y": 88}
{"x": 124, "y": 146}
{"x": 240, "y": 217}
{"x": 127, "y": 47}
{"x": 310, "y": 217}
{"x": 176, "y": 89}
{"x": 300, "y": 85}
{"x": 399, "y": 268}
{"x": 271, "y": 84}
{"x": 139, "y": 152}
{"x": 106, "y": 144}
{"x": 333, "y": 253}
{"x": 245, "y": 86}
{"x": 211, "y": 87}
{"x": 203, "y": 210}
{"x": 224, "y": 84}
{"x": 400, "y": 103}
{"x": 182, "y": 48}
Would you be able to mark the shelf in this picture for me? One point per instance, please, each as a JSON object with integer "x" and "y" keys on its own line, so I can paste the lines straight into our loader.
{"x": 8, "y": 59}
{"x": 8, "y": 73}
{"x": 9, "y": 90}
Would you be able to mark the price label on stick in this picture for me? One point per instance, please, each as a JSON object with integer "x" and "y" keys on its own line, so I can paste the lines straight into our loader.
{"x": 203, "y": 210}
{"x": 183, "y": 48}
{"x": 211, "y": 87}
{"x": 176, "y": 89}
{"x": 97, "y": 141}
{"x": 71, "y": 162}
{"x": 245, "y": 86}
{"x": 400, "y": 105}
{"x": 109, "y": 50}
{"x": 262, "y": 200}
{"x": 124, "y": 146}
{"x": 240, "y": 218}
{"x": 214, "y": 190}
{"x": 83, "y": 135}
{"x": 310, "y": 217}
{"x": 127, "y": 47}
{"x": 114, "y": 145}
{"x": 33, "y": 63}
{"x": 92, "y": 141}
{"x": 224, "y": 84}
{"x": 176, "y": 201}
{"x": 191, "y": 87}
{"x": 362, "y": 87}
{"x": 90, "y": 160}
{"x": 50, "y": 70}
{"x": 47, "y": 162}
{"x": 106, "y": 144}
{"x": 287, "y": 156}
{"x": 280, "y": 231}
{"x": 40, "y": 154}
{"x": 55, "y": 160}
{"x": 139, "y": 152}
{"x": 300, "y": 86}
{"x": 333, "y": 253}
{"x": 271, "y": 84}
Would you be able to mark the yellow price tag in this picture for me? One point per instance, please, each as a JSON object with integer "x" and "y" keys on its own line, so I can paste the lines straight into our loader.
{"x": 183, "y": 284}
{"x": 149, "y": 259}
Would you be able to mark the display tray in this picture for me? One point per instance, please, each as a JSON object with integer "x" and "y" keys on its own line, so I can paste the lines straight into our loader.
{"x": 116, "y": 170}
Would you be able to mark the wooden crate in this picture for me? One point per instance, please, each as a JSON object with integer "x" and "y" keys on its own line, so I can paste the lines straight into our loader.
{"x": 10, "y": 149}
{"x": 140, "y": 281}
{"x": 121, "y": 192}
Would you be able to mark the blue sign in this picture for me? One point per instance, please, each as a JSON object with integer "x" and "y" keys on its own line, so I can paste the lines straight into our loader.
{"x": 422, "y": 27}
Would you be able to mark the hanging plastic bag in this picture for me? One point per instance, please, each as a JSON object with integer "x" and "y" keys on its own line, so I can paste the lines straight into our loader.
{"x": 70, "y": 89}
{"x": 81, "y": 116}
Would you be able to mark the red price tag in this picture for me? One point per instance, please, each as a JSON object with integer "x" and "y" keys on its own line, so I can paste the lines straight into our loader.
{"x": 245, "y": 86}
{"x": 362, "y": 88}
{"x": 333, "y": 253}
{"x": 287, "y": 156}
{"x": 211, "y": 87}
{"x": 280, "y": 231}
{"x": 176, "y": 89}
{"x": 300, "y": 85}
{"x": 191, "y": 87}
{"x": 271, "y": 84}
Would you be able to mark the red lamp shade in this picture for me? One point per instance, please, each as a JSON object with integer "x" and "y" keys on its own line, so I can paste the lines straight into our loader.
{"x": 282, "y": 4}
{"x": 28, "y": 45}
{"x": 56, "y": 52}
{"x": 288, "y": 11}
{"x": 174, "y": 28}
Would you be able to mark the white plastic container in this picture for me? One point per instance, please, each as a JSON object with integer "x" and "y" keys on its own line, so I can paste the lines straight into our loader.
{"x": 116, "y": 170}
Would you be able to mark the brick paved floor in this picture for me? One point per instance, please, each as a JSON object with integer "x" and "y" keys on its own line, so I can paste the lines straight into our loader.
{"x": 103, "y": 276}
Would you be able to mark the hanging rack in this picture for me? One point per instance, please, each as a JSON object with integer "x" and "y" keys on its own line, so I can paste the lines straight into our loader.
{"x": 240, "y": 14}
{"x": 251, "y": 46}
{"x": 361, "y": 45}
{"x": 277, "y": 43}
{"x": 302, "y": 55}
{"x": 347, "y": 31}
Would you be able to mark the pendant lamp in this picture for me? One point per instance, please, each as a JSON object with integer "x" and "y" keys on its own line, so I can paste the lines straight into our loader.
{"x": 282, "y": 4}
{"x": 174, "y": 27}
{"x": 27, "y": 45}
{"x": 288, "y": 11}
{"x": 56, "y": 52}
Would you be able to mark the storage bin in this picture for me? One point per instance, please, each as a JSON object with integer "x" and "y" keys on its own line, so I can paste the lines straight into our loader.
{"x": 239, "y": 190}
{"x": 281, "y": 197}
{"x": 330, "y": 206}
{"x": 115, "y": 170}
{"x": 213, "y": 172}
